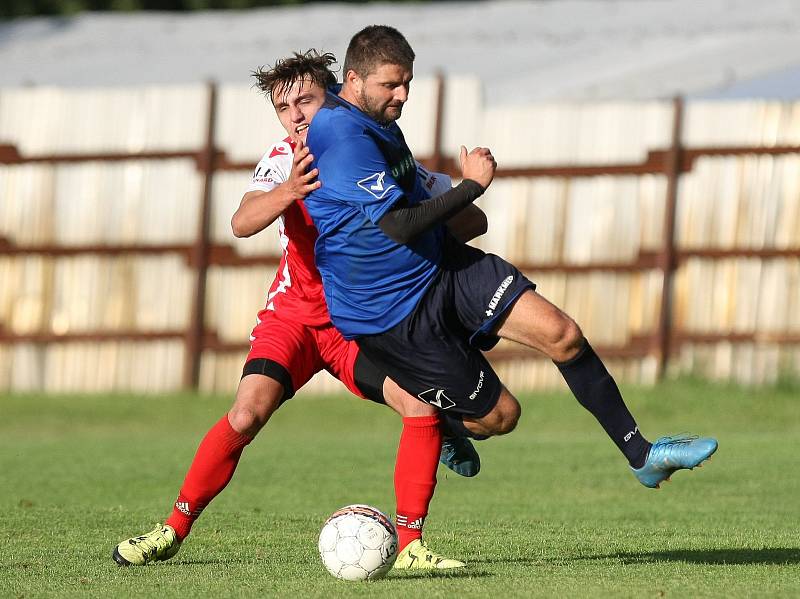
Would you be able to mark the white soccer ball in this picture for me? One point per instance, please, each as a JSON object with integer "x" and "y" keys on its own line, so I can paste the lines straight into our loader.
{"x": 358, "y": 542}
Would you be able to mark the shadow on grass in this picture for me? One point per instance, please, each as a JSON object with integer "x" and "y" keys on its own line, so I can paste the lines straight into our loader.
{"x": 393, "y": 575}
{"x": 507, "y": 560}
{"x": 460, "y": 573}
{"x": 206, "y": 562}
{"x": 779, "y": 555}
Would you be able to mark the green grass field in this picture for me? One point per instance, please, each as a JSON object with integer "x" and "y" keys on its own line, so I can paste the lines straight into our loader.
{"x": 554, "y": 513}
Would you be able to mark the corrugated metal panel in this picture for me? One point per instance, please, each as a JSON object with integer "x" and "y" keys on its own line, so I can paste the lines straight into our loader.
{"x": 576, "y": 133}
{"x": 741, "y": 123}
{"x": 43, "y": 120}
{"x": 725, "y": 202}
{"x": 246, "y": 123}
{"x": 227, "y": 192}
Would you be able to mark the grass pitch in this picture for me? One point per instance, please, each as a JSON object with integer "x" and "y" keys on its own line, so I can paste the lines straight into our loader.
{"x": 554, "y": 513}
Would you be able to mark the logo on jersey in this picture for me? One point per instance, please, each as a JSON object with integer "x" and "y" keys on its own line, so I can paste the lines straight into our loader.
{"x": 498, "y": 294}
{"x": 436, "y": 397}
{"x": 374, "y": 185}
{"x": 406, "y": 165}
{"x": 279, "y": 151}
{"x": 265, "y": 177}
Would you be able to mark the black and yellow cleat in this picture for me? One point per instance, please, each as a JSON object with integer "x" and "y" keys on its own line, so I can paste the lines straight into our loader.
{"x": 157, "y": 545}
{"x": 417, "y": 556}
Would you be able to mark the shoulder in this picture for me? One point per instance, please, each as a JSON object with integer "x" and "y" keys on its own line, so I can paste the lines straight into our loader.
{"x": 333, "y": 123}
{"x": 340, "y": 137}
{"x": 274, "y": 166}
{"x": 279, "y": 152}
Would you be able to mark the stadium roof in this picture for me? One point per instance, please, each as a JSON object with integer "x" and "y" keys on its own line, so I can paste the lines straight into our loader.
{"x": 522, "y": 51}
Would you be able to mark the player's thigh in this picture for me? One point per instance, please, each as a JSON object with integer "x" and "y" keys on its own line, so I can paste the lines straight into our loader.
{"x": 364, "y": 378}
{"x": 284, "y": 350}
{"x": 402, "y": 402}
{"x": 343, "y": 359}
{"x": 436, "y": 365}
{"x": 484, "y": 288}
{"x": 537, "y": 323}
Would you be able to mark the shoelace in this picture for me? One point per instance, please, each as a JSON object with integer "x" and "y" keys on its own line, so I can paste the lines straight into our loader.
{"x": 662, "y": 449}
{"x": 155, "y": 543}
{"x": 678, "y": 439}
{"x": 428, "y": 555}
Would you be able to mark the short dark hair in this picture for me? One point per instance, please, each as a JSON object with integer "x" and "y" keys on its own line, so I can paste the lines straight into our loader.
{"x": 374, "y": 46}
{"x": 284, "y": 73}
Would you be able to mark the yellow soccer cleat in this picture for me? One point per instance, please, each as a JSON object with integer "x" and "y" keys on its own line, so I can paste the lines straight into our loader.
{"x": 157, "y": 545}
{"x": 417, "y": 556}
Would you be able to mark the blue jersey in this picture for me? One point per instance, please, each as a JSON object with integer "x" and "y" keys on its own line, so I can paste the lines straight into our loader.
{"x": 371, "y": 282}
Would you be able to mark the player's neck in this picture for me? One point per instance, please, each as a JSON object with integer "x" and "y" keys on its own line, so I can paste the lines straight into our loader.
{"x": 348, "y": 95}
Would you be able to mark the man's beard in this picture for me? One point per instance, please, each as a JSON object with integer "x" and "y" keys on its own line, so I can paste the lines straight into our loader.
{"x": 374, "y": 111}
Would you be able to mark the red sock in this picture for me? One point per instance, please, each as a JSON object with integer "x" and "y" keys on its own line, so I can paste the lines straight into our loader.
{"x": 210, "y": 472}
{"x": 415, "y": 474}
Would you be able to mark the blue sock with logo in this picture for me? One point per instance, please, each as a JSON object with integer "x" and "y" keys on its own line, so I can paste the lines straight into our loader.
{"x": 595, "y": 390}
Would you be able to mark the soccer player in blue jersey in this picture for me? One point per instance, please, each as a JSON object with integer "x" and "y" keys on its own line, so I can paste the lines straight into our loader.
{"x": 422, "y": 305}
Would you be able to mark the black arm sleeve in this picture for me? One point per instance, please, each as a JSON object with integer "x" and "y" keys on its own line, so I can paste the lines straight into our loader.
{"x": 404, "y": 223}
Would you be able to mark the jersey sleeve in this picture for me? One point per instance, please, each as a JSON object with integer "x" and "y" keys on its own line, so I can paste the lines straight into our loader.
{"x": 272, "y": 170}
{"x": 434, "y": 184}
{"x": 355, "y": 171}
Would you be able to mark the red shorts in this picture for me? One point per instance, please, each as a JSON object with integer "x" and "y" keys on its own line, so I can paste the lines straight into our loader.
{"x": 303, "y": 350}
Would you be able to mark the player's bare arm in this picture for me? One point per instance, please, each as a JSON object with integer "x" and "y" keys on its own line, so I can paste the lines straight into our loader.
{"x": 259, "y": 209}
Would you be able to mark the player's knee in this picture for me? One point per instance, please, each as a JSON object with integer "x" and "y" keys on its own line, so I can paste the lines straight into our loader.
{"x": 566, "y": 338}
{"x": 510, "y": 418}
{"x": 249, "y": 413}
{"x": 503, "y": 419}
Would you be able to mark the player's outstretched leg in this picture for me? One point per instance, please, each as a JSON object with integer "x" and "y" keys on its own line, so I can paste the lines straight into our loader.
{"x": 669, "y": 454}
{"x": 460, "y": 456}
{"x": 159, "y": 544}
{"x": 210, "y": 472}
{"x": 417, "y": 556}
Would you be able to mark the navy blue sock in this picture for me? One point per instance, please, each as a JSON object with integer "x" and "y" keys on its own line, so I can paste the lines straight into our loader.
{"x": 595, "y": 390}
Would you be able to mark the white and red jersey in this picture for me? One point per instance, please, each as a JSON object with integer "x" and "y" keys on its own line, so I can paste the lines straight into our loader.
{"x": 296, "y": 292}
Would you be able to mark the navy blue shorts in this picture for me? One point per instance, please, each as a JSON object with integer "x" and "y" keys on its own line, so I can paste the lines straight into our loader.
{"x": 435, "y": 353}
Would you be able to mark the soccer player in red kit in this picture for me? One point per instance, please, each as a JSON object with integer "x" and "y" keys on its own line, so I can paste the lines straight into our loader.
{"x": 294, "y": 338}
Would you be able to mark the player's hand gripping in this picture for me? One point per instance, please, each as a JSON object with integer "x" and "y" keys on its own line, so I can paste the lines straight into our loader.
{"x": 479, "y": 165}
{"x": 301, "y": 183}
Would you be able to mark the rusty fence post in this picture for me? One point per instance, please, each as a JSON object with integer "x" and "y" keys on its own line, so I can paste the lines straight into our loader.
{"x": 200, "y": 253}
{"x": 666, "y": 260}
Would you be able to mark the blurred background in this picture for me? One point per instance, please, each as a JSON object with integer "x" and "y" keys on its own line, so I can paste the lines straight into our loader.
{"x": 649, "y": 181}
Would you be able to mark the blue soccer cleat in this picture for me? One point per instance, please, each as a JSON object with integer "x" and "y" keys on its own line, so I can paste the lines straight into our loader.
{"x": 460, "y": 456}
{"x": 669, "y": 454}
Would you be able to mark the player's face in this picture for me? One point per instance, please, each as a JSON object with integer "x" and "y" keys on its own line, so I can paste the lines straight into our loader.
{"x": 384, "y": 91}
{"x": 297, "y": 105}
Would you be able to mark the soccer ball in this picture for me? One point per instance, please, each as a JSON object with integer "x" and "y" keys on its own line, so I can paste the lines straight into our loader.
{"x": 358, "y": 542}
